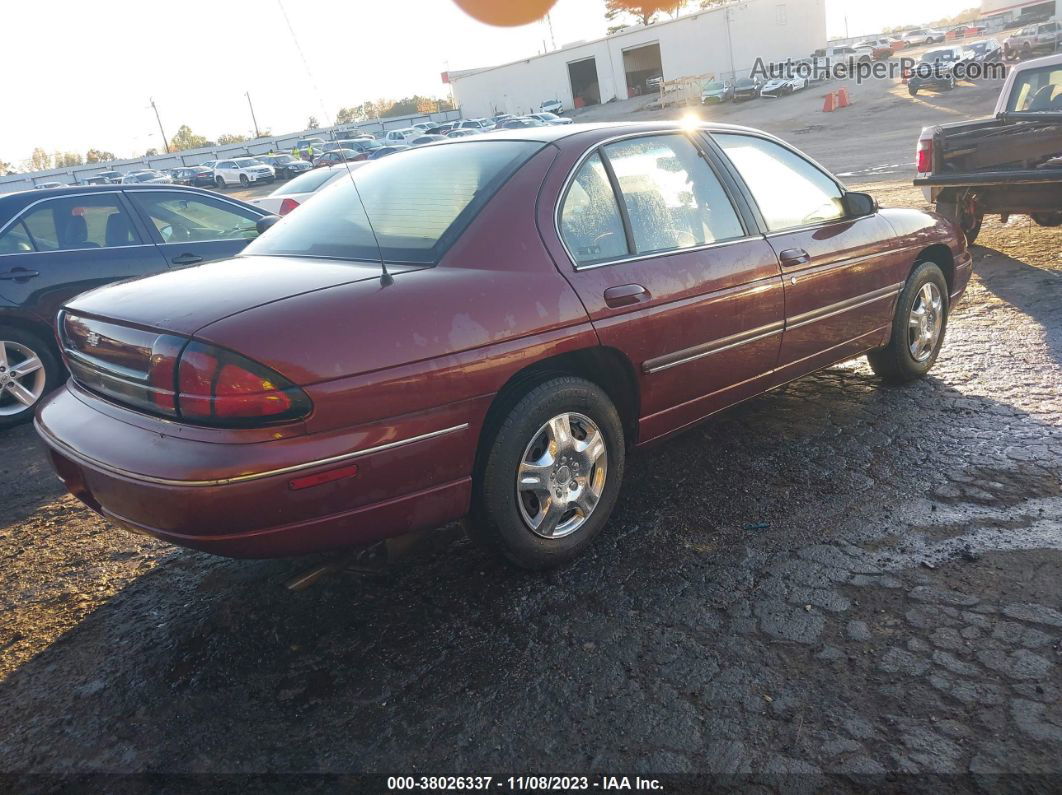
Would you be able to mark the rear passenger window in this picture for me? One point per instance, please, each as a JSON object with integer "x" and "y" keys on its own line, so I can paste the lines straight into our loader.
{"x": 674, "y": 200}
{"x": 591, "y": 225}
{"x": 80, "y": 222}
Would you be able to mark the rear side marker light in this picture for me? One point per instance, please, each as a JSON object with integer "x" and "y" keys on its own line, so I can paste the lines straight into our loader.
{"x": 321, "y": 478}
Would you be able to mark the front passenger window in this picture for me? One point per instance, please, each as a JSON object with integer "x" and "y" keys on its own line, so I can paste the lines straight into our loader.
{"x": 789, "y": 190}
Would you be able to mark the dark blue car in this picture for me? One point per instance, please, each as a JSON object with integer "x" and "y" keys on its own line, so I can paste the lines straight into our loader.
{"x": 60, "y": 242}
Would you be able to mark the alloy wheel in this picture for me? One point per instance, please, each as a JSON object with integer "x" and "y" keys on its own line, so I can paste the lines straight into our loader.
{"x": 22, "y": 378}
{"x": 561, "y": 475}
{"x": 925, "y": 323}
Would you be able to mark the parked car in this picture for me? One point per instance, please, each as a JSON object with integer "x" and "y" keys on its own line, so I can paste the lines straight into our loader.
{"x": 461, "y": 133}
{"x": 935, "y": 70}
{"x": 148, "y": 176}
{"x": 423, "y": 140}
{"x": 48, "y": 185}
{"x": 198, "y": 176}
{"x": 499, "y": 118}
{"x": 551, "y": 106}
{"x": 106, "y": 178}
{"x": 715, "y": 92}
{"x": 1006, "y": 164}
{"x": 316, "y": 143}
{"x": 982, "y": 52}
{"x": 387, "y": 151}
{"x": 1033, "y": 39}
{"x": 441, "y": 129}
{"x": 244, "y": 171}
{"x": 372, "y": 379}
{"x": 334, "y": 157}
{"x": 654, "y": 82}
{"x": 783, "y": 86}
{"x": 284, "y": 166}
{"x": 294, "y": 193}
{"x": 56, "y": 245}
{"x": 520, "y": 123}
{"x": 878, "y": 49}
{"x": 550, "y": 118}
{"x": 746, "y": 88}
{"x": 402, "y": 136}
{"x": 479, "y": 125}
{"x": 924, "y": 36}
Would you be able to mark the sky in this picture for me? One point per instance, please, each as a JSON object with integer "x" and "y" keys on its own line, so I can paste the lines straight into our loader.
{"x": 90, "y": 69}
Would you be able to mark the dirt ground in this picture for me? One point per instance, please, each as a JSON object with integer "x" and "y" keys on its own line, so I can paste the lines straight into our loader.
{"x": 837, "y": 579}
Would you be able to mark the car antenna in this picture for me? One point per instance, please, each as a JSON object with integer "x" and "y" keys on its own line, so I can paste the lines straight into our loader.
{"x": 386, "y": 280}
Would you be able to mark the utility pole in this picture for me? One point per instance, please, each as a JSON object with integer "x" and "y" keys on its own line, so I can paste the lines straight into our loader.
{"x": 253, "y": 119}
{"x": 165, "y": 140}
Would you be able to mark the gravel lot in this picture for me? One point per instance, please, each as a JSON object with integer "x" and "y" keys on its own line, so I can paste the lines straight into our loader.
{"x": 837, "y": 578}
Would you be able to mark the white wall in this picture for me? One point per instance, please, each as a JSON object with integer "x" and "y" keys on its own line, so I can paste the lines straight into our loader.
{"x": 691, "y": 45}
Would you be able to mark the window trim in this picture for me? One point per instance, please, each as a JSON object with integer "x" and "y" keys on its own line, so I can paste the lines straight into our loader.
{"x": 152, "y": 230}
{"x": 751, "y": 198}
{"x": 121, "y": 202}
{"x": 633, "y": 256}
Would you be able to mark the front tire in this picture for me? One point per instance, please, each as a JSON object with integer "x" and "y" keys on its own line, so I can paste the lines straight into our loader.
{"x": 551, "y": 476}
{"x": 917, "y": 328}
{"x": 220, "y": 182}
{"x": 244, "y": 181}
{"x": 28, "y": 372}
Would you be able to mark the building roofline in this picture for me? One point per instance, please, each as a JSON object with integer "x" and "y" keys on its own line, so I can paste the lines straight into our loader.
{"x": 462, "y": 73}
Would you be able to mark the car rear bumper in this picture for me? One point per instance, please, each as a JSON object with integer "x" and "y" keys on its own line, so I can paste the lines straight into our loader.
{"x": 241, "y": 507}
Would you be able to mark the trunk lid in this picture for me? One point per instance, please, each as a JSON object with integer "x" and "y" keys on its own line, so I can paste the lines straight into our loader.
{"x": 183, "y": 301}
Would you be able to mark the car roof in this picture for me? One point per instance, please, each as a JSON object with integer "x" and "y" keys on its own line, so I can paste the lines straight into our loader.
{"x": 11, "y": 203}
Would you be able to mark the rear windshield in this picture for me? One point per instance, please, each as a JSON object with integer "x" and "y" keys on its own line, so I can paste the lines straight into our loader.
{"x": 417, "y": 203}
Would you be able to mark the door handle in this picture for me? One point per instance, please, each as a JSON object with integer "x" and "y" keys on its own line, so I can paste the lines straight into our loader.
{"x": 794, "y": 256}
{"x": 626, "y": 295}
{"x": 186, "y": 259}
{"x": 17, "y": 274}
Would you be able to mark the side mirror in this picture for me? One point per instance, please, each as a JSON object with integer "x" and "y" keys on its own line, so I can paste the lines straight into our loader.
{"x": 857, "y": 205}
{"x": 265, "y": 222}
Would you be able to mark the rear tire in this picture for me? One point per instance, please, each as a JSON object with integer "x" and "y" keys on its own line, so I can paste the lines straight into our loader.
{"x": 918, "y": 327}
{"x": 1047, "y": 219}
{"x": 23, "y": 385}
{"x": 220, "y": 182}
{"x": 556, "y": 459}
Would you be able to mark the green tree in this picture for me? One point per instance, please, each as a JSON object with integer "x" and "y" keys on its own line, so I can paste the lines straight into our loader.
{"x": 98, "y": 156}
{"x": 312, "y": 123}
{"x": 186, "y": 139}
{"x": 39, "y": 160}
{"x": 644, "y": 12}
{"x": 346, "y": 116}
{"x": 152, "y": 152}
{"x": 231, "y": 138}
{"x": 5, "y": 168}
{"x": 67, "y": 159}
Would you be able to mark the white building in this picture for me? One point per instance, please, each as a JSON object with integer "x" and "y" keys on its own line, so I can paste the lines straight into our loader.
{"x": 1007, "y": 12}
{"x": 723, "y": 42}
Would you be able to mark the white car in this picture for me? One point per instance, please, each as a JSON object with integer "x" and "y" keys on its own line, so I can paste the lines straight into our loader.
{"x": 294, "y": 193}
{"x": 551, "y": 106}
{"x": 783, "y": 86}
{"x": 242, "y": 171}
{"x": 920, "y": 36}
{"x": 550, "y": 118}
{"x": 403, "y": 136}
{"x": 477, "y": 125}
{"x": 147, "y": 176}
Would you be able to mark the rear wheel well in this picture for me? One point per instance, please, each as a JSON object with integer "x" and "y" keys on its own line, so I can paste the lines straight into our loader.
{"x": 941, "y": 255}
{"x": 605, "y": 367}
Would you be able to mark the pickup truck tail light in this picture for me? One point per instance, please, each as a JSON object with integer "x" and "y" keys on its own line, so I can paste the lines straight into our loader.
{"x": 924, "y": 156}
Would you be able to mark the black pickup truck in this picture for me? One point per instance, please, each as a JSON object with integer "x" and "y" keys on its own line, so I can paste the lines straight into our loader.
{"x": 1008, "y": 164}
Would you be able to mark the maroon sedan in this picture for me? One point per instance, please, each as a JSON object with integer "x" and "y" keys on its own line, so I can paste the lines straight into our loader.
{"x": 484, "y": 327}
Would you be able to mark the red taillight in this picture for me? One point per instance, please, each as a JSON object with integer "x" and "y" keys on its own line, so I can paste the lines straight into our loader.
{"x": 287, "y": 206}
{"x": 220, "y": 387}
{"x": 162, "y": 372}
{"x": 925, "y": 156}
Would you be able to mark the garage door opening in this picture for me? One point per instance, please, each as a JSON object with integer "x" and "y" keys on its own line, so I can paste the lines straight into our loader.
{"x": 1037, "y": 13}
{"x": 585, "y": 87}
{"x": 642, "y": 67}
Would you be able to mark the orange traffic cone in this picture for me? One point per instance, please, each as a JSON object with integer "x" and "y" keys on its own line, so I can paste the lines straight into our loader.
{"x": 829, "y": 106}
{"x": 842, "y": 98}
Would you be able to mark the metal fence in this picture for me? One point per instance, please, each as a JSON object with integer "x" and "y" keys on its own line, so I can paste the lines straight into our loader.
{"x": 78, "y": 175}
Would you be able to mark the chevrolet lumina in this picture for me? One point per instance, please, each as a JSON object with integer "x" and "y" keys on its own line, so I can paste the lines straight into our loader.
{"x": 484, "y": 327}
